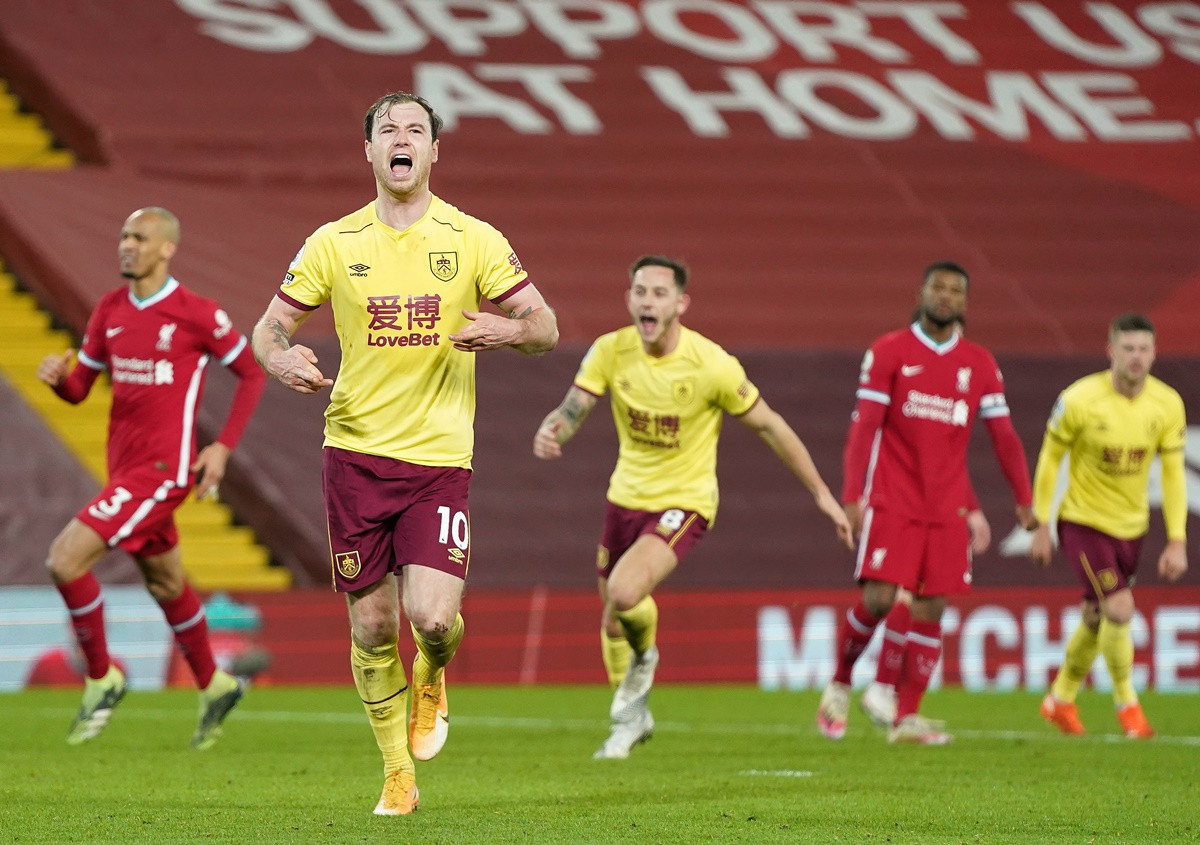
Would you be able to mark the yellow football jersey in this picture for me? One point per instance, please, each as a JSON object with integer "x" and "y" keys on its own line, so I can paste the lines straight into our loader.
{"x": 403, "y": 391}
{"x": 668, "y": 413}
{"x": 1112, "y": 442}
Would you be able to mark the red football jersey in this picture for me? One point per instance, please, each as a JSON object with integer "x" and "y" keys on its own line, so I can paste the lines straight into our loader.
{"x": 931, "y": 395}
{"x": 156, "y": 351}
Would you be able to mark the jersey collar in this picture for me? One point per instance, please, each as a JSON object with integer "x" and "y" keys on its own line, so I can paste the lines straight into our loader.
{"x": 158, "y": 296}
{"x": 938, "y": 348}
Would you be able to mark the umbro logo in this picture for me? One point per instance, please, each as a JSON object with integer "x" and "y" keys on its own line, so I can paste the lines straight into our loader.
{"x": 911, "y": 369}
{"x": 359, "y": 269}
{"x": 114, "y": 331}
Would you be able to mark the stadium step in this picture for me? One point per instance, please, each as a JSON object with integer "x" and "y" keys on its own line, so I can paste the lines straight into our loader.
{"x": 24, "y": 140}
{"x": 217, "y": 554}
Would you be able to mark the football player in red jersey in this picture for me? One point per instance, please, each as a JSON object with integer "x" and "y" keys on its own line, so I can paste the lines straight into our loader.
{"x": 878, "y": 700}
{"x": 156, "y": 338}
{"x": 920, "y": 391}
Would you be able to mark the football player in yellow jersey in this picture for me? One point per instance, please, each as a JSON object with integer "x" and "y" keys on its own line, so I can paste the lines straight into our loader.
{"x": 405, "y": 276}
{"x": 1112, "y": 424}
{"x": 669, "y": 389}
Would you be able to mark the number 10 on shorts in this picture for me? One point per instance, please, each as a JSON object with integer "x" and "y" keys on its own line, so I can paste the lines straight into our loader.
{"x": 455, "y": 528}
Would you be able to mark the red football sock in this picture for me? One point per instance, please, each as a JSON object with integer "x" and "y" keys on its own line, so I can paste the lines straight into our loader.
{"x": 186, "y": 618}
{"x": 853, "y": 634}
{"x": 895, "y": 638}
{"x": 84, "y": 603}
{"x": 920, "y": 659}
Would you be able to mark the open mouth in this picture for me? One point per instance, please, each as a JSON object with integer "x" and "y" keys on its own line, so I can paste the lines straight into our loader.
{"x": 401, "y": 165}
{"x": 648, "y": 323}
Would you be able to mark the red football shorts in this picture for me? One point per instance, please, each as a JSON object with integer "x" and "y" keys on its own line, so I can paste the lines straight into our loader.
{"x": 135, "y": 512}
{"x": 927, "y": 558}
{"x": 1103, "y": 563}
{"x": 385, "y": 514}
{"x": 679, "y": 529}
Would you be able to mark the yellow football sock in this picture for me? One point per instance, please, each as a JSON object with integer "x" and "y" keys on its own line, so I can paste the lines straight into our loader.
{"x": 433, "y": 655}
{"x": 1116, "y": 644}
{"x": 383, "y": 688}
{"x": 617, "y": 653}
{"x": 1081, "y": 653}
{"x": 640, "y": 624}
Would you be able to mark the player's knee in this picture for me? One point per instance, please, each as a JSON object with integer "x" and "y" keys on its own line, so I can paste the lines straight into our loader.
{"x": 612, "y": 628}
{"x": 375, "y": 631}
{"x": 433, "y": 625}
{"x": 162, "y": 590}
{"x": 878, "y": 597}
{"x": 1118, "y": 608}
{"x": 928, "y": 608}
{"x": 624, "y": 598}
{"x": 61, "y": 565}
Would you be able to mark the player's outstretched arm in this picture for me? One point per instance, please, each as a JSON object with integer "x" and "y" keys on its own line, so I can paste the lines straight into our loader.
{"x": 790, "y": 449}
{"x": 561, "y": 424}
{"x": 294, "y": 366}
{"x": 528, "y": 326}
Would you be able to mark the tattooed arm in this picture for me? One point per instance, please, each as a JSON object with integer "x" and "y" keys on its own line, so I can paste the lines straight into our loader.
{"x": 561, "y": 424}
{"x": 529, "y": 327}
{"x": 294, "y": 366}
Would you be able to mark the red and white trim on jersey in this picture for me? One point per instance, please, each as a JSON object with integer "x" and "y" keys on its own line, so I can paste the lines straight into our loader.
{"x": 188, "y": 432}
{"x": 873, "y": 396}
{"x": 153, "y": 299}
{"x": 992, "y": 405}
{"x": 91, "y": 363}
{"x": 228, "y": 357}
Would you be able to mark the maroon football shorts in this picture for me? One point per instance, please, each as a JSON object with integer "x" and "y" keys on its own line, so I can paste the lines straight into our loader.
{"x": 135, "y": 512}
{"x": 927, "y": 558}
{"x": 1103, "y": 563}
{"x": 679, "y": 529}
{"x": 385, "y": 514}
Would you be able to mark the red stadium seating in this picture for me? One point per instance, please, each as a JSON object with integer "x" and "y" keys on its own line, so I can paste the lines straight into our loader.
{"x": 806, "y": 166}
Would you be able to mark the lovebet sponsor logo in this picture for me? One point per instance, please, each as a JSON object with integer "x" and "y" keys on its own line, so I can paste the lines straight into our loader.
{"x": 400, "y": 320}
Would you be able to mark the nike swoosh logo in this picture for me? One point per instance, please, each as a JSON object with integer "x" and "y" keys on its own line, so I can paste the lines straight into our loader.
{"x": 911, "y": 370}
{"x": 113, "y": 332}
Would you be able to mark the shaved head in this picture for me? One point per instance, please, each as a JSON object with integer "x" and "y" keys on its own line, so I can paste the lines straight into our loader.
{"x": 168, "y": 221}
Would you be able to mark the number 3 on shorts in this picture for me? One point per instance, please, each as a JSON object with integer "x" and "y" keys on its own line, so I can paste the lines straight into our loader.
{"x": 456, "y": 527}
{"x": 112, "y": 506}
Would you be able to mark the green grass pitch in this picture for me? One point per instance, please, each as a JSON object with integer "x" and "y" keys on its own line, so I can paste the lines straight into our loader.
{"x": 727, "y": 764}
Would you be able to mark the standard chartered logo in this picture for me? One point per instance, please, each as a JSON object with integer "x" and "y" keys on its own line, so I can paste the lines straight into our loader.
{"x": 937, "y": 408}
